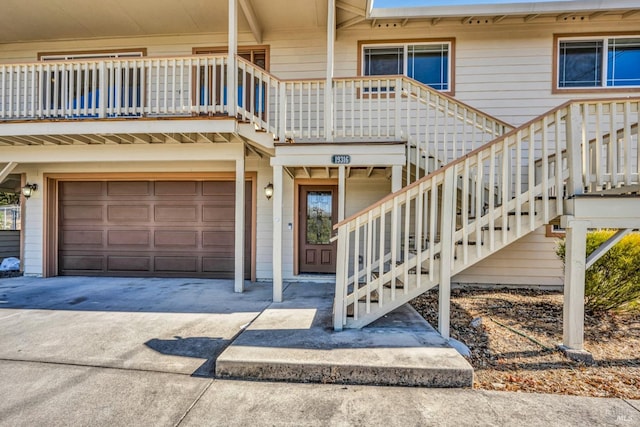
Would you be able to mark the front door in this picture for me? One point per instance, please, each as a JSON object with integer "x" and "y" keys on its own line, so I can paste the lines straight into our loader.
{"x": 318, "y": 213}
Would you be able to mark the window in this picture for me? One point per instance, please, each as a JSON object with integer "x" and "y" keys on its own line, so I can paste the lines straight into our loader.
{"x": 257, "y": 55}
{"x": 598, "y": 62}
{"x": 426, "y": 62}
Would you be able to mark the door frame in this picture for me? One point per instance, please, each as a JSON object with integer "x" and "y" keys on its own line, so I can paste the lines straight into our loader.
{"x": 297, "y": 183}
{"x": 50, "y": 203}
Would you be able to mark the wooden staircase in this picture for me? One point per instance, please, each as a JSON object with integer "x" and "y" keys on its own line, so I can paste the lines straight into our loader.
{"x": 485, "y": 200}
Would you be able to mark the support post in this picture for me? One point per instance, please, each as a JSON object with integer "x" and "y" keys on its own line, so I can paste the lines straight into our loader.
{"x": 396, "y": 178}
{"x": 573, "y": 310}
{"x": 341, "y": 279}
{"x": 446, "y": 253}
{"x": 239, "y": 227}
{"x": 342, "y": 187}
{"x": 277, "y": 233}
{"x": 328, "y": 90}
{"x": 232, "y": 75}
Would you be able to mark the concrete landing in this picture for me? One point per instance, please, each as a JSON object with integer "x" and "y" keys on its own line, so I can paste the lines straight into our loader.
{"x": 295, "y": 341}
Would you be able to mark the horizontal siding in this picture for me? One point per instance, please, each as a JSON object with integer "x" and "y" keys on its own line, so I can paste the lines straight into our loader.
{"x": 528, "y": 261}
{"x": 9, "y": 244}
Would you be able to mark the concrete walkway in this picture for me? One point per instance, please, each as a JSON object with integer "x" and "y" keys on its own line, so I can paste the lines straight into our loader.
{"x": 78, "y": 351}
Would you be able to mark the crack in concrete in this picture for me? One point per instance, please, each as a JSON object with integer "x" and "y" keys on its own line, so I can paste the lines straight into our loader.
{"x": 194, "y": 403}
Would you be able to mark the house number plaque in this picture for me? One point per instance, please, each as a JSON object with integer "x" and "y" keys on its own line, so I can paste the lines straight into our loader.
{"x": 340, "y": 159}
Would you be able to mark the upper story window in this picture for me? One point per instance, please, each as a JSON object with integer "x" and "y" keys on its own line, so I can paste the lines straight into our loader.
{"x": 598, "y": 62}
{"x": 427, "y": 62}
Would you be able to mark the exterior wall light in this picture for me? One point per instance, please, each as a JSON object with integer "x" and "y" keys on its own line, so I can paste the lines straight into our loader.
{"x": 27, "y": 190}
{"x": 268, "y": 191}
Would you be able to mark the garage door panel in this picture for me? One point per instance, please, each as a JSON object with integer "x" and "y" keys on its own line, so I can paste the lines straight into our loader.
{"x": 79, "y": 189}
{"x": 128, "y": 188}
{"x": 223, "y": 240}
{"x": 164, "y": 228}
{"x": 83, "y": 212}
{"x": 82, "y": 237}
{"x": 177, "y": 188}
{"x": 81, "y": 262}
{"x": 224, "y": 213}
{"x": 129, "y": 237}
{"x": 176, "y": 264}
{"x": 219, "y": 188}
{"x": 128, "y": 213}
{"x": 170, "y": 238}
{"x": 128, "y": 263}
{"x": 171, "y": 213}
{"x": 218, "y": 264}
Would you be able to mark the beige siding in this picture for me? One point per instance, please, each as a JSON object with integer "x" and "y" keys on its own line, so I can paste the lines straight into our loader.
{"x": 529, "y": 261}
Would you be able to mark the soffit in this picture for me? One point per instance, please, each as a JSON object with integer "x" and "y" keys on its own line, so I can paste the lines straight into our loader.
{"x": 79, "y": 19}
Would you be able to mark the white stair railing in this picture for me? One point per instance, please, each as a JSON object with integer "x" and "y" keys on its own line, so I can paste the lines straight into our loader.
{"x": 449, "y": 220}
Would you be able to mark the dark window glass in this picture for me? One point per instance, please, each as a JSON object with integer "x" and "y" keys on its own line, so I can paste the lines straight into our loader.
{"x": 580, "y": 63}
{"x": 387, "y": 61}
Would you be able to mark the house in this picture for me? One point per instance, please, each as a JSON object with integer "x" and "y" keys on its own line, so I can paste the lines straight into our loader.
{"x": 390, "y": 149}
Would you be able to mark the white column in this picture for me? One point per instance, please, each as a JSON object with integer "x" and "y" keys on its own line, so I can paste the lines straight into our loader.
{"x": 396, "y": 178}
{"x": 342, "y": 188}
{"x": 239, "y": 235}
{"x": 232, "y": 75}
{"x": 575, "y": 260}
{"x": 328, "y": 92}
{"x": 277, "y": 233}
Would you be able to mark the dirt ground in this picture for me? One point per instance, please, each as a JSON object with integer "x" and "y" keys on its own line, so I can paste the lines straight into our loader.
{"x": 514, "y": 337}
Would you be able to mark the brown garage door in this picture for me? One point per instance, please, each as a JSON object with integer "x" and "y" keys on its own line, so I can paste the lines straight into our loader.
{"x": 150, "y": 228}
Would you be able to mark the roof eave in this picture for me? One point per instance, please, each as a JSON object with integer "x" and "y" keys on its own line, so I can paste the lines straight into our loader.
{"x": 500, "y": 9}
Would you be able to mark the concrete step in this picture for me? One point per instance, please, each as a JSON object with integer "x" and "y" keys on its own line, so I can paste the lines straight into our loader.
{"x": 294, "y": 341}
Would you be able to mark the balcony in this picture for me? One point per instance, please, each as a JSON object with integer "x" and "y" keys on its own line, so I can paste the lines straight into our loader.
{"x": 371, "y": 109}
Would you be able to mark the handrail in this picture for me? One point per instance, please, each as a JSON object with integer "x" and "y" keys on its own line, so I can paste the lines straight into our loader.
{"x": 452, "y": 218}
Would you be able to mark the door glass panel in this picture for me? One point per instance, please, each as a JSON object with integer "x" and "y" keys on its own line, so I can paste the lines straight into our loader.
{"x": 319, "y": 217}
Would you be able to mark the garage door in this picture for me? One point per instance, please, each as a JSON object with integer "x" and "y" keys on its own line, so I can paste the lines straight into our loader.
{"x": 150, "y": 228}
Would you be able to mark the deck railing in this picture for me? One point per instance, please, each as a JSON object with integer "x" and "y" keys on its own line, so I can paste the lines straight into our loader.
{"x": 436, "y": 127}
{"x": 421, "y": 236}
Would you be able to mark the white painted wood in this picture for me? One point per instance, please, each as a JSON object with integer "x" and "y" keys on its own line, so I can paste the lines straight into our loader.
{"x": 252, "y": 20}
{"x": 118, "y": 153}
{"x": 239, "y": 226}
{"x": 606, "y": 246}
{"x": 277, "y": 232}
{"x": 328, "y": 93}
{"x": 342, "y": 192}
{"x": 573, "y": 309}
{"x": 446, "y": 254}
{"x": 6, "y": 170}
{"x": 232, "y": 75}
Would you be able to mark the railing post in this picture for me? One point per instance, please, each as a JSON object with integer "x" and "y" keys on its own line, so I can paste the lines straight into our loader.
{"x": 398, "y": 103}
{"x": 447, "y": 222}
{"x": 232, "y": 62}
{"x": 282, "y": 132}
{"x": 341, "y": 279}
{"x": 102, "y": 105}
{"x": 574, "y": 151}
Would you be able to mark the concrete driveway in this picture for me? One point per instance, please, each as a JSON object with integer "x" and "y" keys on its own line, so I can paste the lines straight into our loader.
{"x": 137, "y": 352}
{"x": 162, "y": 325}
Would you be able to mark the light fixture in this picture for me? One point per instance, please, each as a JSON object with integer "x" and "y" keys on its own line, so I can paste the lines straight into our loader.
{"x": 268, "y": 191}
{"x": 27, "y": 190}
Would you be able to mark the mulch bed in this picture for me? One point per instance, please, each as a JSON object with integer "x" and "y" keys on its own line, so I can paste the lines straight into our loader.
{"x": 514, "y": 339}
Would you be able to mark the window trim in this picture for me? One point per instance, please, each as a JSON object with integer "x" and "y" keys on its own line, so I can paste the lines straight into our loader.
{"x": 555, "y": 77}
{"x": 405, "y": 42}
{"x": 224, "y": 50}
{"x": 90, "y": 54}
